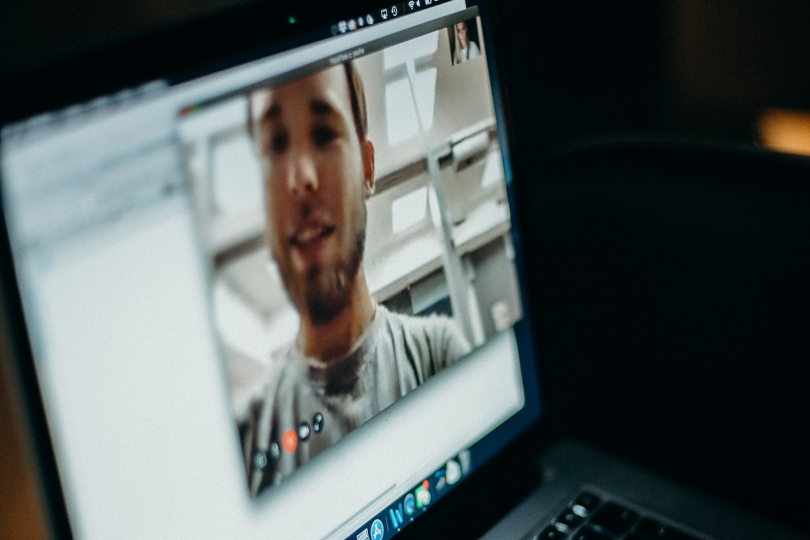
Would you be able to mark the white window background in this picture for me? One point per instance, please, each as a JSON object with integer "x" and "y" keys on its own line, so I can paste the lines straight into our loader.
{"x": 399, "y": 103}
{"x": 403, "y": 243}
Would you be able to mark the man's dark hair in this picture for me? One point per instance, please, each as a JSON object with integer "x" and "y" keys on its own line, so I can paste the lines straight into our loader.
{"x": 357, "y": 97}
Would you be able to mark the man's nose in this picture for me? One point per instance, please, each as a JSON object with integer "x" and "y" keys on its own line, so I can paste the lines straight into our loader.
{"x": 302, "y": 177}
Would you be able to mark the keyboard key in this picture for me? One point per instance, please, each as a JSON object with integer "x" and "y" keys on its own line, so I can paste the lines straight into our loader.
{"x": 590, "y": 534}
{"x": 649, "y": 529}
{"x": 569, "y": 519}
{"x": 550, "y": 533}
{"x": 614, "y": 518}
{"x": 679, "y": 535}
{"x": 675, "y": 534}
{"x": 585, "y": 503}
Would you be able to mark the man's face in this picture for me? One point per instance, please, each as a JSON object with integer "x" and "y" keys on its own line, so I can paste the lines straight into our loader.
{"x": 317, "y": 173}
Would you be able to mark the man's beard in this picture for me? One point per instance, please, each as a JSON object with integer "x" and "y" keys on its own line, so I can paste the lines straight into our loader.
{"x": 329, "y": 290}
{"x": 326, "y": 290}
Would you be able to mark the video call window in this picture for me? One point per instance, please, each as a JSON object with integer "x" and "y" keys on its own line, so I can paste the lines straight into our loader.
{"x": 356, "y": 223}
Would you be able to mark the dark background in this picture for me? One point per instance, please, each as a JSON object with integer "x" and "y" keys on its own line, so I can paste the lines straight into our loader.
{"x": 671, "y": 297}
{"x": 676, "y": 373}
{"x": 574, "y": 69}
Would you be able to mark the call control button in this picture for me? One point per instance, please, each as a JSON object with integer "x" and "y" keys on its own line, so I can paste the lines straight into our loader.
{"x": 289, "y": 441}
{"x": 303, "y": 431}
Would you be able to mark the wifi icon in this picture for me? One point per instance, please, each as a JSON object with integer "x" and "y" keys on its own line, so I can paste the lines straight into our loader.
{"x": 411, "y": 4}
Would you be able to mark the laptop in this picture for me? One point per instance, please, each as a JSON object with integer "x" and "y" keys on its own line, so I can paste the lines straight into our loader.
{"x": 276, "y": 289}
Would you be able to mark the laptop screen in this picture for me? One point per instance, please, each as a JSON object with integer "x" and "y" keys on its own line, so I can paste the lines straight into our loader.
{"x": 284, "y": 293}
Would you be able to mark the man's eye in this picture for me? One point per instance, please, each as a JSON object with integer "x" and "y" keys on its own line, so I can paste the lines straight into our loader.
{"x": 279, "y": 142}
{"x": 323, "y": 135}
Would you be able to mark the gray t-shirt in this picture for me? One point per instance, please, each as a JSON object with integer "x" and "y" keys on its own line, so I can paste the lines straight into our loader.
{"x": 394, "y": 355}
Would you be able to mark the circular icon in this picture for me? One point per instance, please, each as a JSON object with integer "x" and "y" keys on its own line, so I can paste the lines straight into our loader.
{"x": 289, "y": 441}
{"x": 303, "y": 431}
{"x": 423, "y": 494}
{"x": 275, "y": 450}
{"x": 317, "y": 422}
{"x": 410, "y": 504}
{"x": 377, "y": 530}
{"x": 394, "y": 11}
{"x": 259, "y": 459}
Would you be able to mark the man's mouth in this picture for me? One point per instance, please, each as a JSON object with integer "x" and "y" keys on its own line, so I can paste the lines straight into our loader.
{"x": 309, "y": 233}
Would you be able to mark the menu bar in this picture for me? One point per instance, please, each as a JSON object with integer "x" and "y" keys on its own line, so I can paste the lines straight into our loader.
{"x": 385, "y": 13}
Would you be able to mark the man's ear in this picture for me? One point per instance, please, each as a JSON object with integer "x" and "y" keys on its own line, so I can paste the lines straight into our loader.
{"x": 368, "y": 167}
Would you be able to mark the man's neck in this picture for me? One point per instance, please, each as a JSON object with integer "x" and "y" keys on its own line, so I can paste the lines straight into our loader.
{"x": 335, "y": 338}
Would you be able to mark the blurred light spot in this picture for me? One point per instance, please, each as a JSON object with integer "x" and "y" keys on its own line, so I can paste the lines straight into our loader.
{"x": 785, "y": 130}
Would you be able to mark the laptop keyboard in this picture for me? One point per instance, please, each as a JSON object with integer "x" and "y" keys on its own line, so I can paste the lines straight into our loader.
{"x": 589, "y": 517}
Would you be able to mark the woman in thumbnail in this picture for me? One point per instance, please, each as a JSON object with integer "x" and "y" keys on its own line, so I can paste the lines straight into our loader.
{"x": 464, "y": 48}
